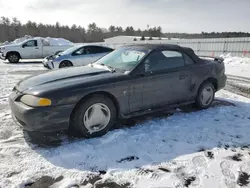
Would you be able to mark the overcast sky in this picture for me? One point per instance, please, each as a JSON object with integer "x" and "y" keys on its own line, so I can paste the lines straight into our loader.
{"x": 172, "y": 15}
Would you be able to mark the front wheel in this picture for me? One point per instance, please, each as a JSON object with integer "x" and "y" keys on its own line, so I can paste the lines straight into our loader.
{"x": 205, "y": 95}
{"x": 94, "y": 117}
{"x": 65, "y": 64}
{"x": 13, "y": 58}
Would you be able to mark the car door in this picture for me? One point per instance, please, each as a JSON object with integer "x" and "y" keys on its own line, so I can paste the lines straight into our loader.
{"x": 82, "y": 56}
{"x": 167, "y": 79}
{"x": 30, "y": 50}
{"x": 136, "y": 94}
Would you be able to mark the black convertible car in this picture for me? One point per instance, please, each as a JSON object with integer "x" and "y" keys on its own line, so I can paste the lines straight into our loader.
{"x": 130, "y": 81}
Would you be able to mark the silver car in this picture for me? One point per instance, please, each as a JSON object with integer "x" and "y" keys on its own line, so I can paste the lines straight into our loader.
{"x": 77, "y": 56}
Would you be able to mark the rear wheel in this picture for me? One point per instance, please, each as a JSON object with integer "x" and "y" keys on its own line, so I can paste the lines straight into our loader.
{"x": 13, "y": 58}
{"x": 64, "y": 64}
{"x": 94, "y": 117}
{"x": 205, "y": 95}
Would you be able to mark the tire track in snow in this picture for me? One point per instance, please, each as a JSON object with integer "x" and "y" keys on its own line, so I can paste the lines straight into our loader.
{"x": 239, "y": 85}
{"x": 238, "y": 77}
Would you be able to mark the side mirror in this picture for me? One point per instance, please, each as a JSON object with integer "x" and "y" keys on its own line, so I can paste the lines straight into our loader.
{"x": 23, "y": 46}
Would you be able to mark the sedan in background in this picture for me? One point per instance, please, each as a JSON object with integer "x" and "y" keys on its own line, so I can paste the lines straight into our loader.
{"x": 76, "y": 56}
{"x": 130, "y": 81}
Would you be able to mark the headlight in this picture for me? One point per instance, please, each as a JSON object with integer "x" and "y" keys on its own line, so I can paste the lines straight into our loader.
{"x": 31, "y": 100}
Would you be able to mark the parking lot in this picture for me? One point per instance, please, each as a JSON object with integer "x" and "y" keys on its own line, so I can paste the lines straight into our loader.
{"x": 180, "y": 148}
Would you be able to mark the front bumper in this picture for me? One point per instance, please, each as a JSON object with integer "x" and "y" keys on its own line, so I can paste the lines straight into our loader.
{"x": 45, "y": 62}
{"x": 42, "y": 119}
{"x": 2, "y": 56}
{"x": 50, "y": 65}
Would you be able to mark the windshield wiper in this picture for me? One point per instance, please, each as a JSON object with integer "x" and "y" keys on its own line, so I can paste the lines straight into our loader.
{"x": 112, "y": 69}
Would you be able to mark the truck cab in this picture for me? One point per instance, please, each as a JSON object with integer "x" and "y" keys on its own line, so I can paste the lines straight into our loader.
{"x": 31, "y": 49}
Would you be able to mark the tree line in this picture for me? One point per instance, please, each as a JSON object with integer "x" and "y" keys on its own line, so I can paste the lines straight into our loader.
{"x": 11, "y": 29}
{"x": 206, "y": 35}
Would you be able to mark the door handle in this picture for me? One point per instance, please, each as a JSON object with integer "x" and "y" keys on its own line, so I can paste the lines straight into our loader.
{"x": 182, "y": 77}
{"x": 36, "y": 48}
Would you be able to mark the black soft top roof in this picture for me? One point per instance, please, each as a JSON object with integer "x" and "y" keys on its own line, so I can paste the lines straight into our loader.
{"x": 186, "y": 50}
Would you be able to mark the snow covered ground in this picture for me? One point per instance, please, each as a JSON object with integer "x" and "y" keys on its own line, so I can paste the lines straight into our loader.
{"x": 238, "y": 72}
{"x": 237, "y": 65}
{"x": 184, "y": 148}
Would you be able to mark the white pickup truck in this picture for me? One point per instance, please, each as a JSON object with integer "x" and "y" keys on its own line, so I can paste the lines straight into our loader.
{"x": 33, "y": 48}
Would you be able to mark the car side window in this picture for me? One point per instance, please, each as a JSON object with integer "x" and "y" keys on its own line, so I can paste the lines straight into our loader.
{"x": 187, "y": 59}
{"x": 104, "y": 49}
{"x": 31, "y": 43}
{"x": 163, "y": 60}
{"x": 89, "y": 50}
{"x": 98, "y": 49}
{"x": 80, "y": 51}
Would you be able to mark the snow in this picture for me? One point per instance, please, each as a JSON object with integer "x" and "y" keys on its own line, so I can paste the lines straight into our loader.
{"x": 11, "y": 73}
{"x": 57, "y": 41}
{"x": 46, "y": 40}
{"x": 156, "y": 152}
{"x": 21, "y": 39}
{"x": 239, "y": 66}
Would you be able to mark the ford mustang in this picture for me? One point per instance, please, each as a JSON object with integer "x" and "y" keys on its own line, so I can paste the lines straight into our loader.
{"x": 130, "y": 81}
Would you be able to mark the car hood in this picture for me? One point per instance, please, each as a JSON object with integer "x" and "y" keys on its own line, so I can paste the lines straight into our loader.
{"x": 52, "y": 57}
{"x": 61, "y": 57}
{"x": 60, "y": 76}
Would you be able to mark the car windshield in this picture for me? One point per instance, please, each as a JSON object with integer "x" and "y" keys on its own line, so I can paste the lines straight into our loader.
{"x": 124, "y": 59}
{"x": 70, "y": 50}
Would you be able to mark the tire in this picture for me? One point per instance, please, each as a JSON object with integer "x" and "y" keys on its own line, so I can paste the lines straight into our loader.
{"x": 65, "y": 64}
{"x": 85, "y": 117}
{"x": 13, "y": 58}
{"x": 205, "y": 96}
